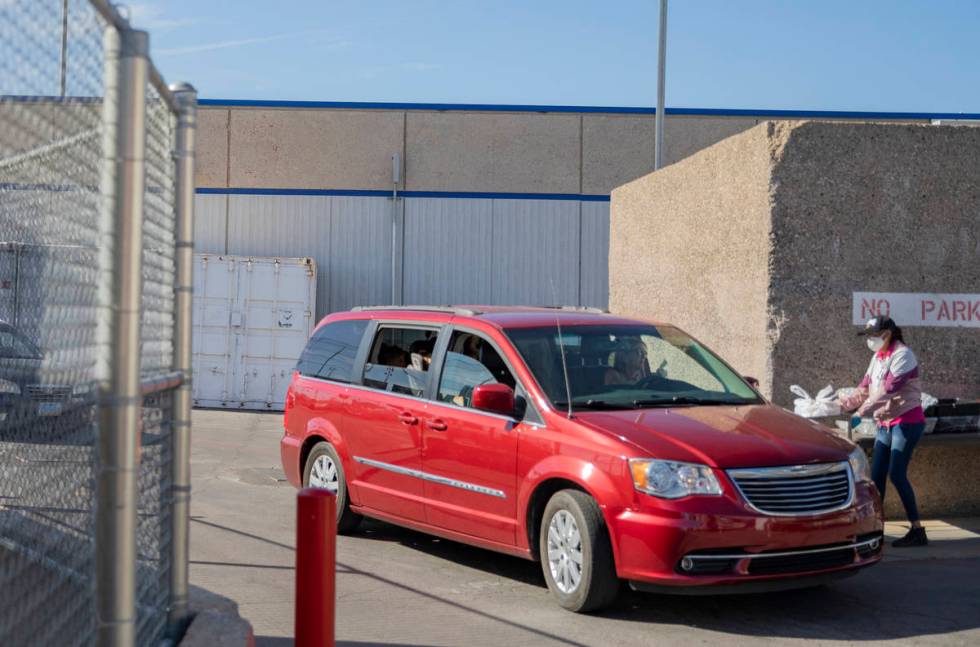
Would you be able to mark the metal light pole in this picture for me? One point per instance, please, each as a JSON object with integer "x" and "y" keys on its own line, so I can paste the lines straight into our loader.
{"x": 120, "y": 399}
{"x": 186, "y": 97}
{"x": 661, "y": 66}
{"x": 64, "y": 46}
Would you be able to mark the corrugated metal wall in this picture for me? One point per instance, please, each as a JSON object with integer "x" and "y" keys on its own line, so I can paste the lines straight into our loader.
{"x": 451, "y": 250}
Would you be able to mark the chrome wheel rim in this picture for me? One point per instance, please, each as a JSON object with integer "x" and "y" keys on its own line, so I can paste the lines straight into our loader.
{"x": 565, "y": 551}
{"x": 323, "y": 474}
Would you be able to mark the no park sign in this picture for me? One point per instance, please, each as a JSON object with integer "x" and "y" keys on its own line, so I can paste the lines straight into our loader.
{"x": 919, "y": 309}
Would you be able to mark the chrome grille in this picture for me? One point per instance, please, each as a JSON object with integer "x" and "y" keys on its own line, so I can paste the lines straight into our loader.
{"x": 796, "y": 489}
{"x": 48, "y": 393}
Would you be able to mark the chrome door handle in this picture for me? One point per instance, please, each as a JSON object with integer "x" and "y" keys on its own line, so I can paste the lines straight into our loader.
{"x": 437, "y": 425}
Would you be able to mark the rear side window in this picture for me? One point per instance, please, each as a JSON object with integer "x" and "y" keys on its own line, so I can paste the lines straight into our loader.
{"x": 330, "y": 352}
{"x": 399, "y": 360}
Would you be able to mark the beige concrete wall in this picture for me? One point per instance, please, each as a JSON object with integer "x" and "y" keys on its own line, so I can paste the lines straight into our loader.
{"x": 880, "y": 208}
{"x": 211, "y": 162}
{"x": 620, "y": 148}
{"x": 615, "y": 149}
{"x": 504, "y": 152}
{"x": 324, "y": 149}
{"x": 689, "y": 245}
{"x": 443, "y": 151}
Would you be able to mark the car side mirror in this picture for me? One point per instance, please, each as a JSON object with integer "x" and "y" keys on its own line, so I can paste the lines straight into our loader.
{"x": 751, "y": 380}
{"x": 494, "y": 398}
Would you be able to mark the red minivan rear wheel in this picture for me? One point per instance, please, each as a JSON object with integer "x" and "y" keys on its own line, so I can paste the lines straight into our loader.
{"x": 576, "y": 555}
{"x": 323, "y": 469}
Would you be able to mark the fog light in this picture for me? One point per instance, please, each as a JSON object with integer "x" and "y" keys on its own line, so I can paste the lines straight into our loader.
{"x": 687, "y": 564}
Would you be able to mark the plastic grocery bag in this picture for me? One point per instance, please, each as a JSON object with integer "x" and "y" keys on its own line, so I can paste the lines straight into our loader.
{"x": 823, "y": 405}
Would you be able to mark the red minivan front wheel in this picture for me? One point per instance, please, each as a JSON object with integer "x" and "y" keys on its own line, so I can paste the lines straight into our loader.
{"x": 576, "y": 555}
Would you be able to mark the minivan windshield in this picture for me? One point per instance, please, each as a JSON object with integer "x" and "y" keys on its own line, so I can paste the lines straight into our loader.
{"x": 13, "y": 345}
{"x": 628, "y": 367}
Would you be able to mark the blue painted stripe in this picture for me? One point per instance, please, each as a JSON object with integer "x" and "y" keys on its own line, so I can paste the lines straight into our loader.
{"x": 371, "y": 193}
{"x": 627, "y": 110}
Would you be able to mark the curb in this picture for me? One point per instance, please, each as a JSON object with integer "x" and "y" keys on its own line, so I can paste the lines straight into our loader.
{"x": 216, "y": 622}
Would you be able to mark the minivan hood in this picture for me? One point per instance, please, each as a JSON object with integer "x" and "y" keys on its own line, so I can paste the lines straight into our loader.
{"x": 722, "y": 436}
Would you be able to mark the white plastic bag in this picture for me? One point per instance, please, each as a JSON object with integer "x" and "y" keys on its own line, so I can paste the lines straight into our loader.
{"x": 823, "y": 405}
{"x": 928, "y": 401}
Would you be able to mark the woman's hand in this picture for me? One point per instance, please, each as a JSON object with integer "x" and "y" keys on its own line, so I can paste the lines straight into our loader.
{"x": 853, "y": 400}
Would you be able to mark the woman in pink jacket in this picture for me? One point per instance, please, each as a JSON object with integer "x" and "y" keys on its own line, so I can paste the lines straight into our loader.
{"x": 891, "y": 393}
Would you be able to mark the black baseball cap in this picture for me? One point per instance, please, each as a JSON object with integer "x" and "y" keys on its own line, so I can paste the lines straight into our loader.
{"x": 877, "y": 325}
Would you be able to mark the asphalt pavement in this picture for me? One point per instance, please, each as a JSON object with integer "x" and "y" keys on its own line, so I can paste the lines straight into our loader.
{"x": 399, "y": 587}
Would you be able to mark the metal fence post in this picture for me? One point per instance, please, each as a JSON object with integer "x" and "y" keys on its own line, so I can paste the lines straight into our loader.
{"x": 186, "y": 97}
{"x": 120, "y": 399}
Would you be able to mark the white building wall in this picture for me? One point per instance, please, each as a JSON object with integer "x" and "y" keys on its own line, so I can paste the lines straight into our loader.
{"x": 452, "y": 250}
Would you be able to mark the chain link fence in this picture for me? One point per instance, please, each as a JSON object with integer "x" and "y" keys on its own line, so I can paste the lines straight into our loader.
{"x": 62, "y": 202}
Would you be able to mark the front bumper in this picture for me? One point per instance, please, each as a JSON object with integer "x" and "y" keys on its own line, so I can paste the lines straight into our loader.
{"x": 730, "y": 545}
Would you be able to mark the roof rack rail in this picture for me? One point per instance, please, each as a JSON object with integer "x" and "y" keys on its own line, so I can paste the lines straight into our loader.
{"x": 589, "y": 309}
{"x": 466, "y": 312}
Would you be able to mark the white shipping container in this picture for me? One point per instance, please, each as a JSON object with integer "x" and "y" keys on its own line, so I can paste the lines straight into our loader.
{"x": 252, "y": 317}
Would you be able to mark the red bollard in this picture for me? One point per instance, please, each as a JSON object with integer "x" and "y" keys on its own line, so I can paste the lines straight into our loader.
{"x": 316, "y": 567}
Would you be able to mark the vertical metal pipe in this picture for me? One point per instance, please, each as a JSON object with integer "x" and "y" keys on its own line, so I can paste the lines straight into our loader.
{"x": 186, "y": 97}
{"x": 120, "y": 399}
{"x": 64, "y": 46}
{"x": 661, "y": 68}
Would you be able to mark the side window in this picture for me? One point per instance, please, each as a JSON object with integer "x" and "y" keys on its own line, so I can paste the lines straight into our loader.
{"x": 470, "y": 362}
{"x": 399, "y": 360}
{"x": 330, "y": 352}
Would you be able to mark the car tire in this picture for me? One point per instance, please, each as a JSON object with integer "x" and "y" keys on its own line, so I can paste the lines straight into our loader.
{"x": 576, "y": 554}
{"x": 318, "y": 466}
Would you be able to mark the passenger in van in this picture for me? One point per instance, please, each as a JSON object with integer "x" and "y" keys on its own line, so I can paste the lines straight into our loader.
{"x": 629, "y": 362}
{"x": 421, "y": 354}
{"x": 392, "y": 356}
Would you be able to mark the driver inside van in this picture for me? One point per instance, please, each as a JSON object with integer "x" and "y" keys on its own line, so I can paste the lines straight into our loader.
{"x": 629, "y": 362}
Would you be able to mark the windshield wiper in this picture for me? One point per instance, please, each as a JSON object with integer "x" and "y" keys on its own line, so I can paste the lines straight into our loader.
{"x": 594, "y": 405}
{"x": 682, "y": 401}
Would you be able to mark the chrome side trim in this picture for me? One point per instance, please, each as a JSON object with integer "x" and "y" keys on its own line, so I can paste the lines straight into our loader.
{"x": 791, "y": 553}
{"x": 432, "y": 478}
{"x": 790, "y": 471}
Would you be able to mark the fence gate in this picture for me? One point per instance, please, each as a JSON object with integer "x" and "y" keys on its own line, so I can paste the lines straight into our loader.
{"x": 252, "y": 317}
{"x": 96, "y": 222}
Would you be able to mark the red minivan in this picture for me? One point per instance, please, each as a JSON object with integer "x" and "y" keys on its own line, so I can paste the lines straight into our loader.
{"x": 610, "y": 449}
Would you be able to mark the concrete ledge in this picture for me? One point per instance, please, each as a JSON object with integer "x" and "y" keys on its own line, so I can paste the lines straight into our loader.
{"x": 216, "y": 622}
{"x": 945, "y": 474}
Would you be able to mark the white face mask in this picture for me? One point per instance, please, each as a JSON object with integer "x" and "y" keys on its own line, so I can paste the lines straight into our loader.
{"x": 875, "y": 344}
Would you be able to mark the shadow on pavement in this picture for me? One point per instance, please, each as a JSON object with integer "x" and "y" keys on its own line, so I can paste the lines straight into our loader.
{"x": 892, "y": 600}
{"x": 271, "y": 641}
{"x": 513, "y": 568}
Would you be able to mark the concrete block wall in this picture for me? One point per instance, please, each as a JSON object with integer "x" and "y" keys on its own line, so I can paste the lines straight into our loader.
{"x": 457, "y": 151}
{"x": 758, "y": 243}
{"x": 690, "y": 244}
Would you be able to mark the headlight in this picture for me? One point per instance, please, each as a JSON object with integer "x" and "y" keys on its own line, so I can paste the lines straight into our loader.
{"x": 672, "y": 480}
{"x": 6, "y": 386}
{"x": 859, "y": 465}
{"x": 82, "y": 389}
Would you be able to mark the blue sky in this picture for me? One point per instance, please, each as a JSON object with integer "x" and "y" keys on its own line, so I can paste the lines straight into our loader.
{"x": 898, "y": 55}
